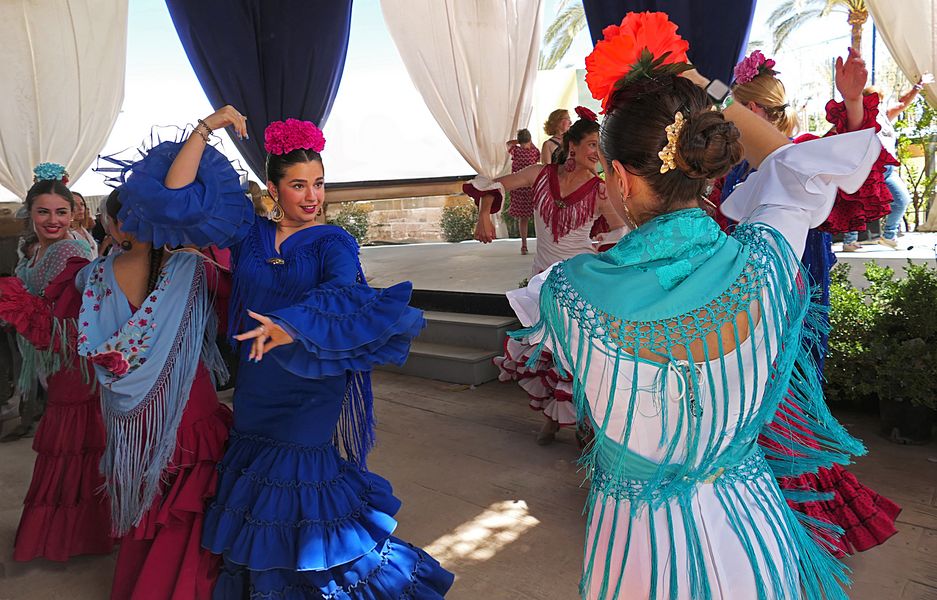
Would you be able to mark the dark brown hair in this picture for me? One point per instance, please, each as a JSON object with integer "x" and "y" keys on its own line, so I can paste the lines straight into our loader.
{"x": 112, "y": 207}
{"x": 634, "y": 132}
{"x": 49, "y": 186}
{"x": 523, "y": 136}
{"x": 277, "y": 164}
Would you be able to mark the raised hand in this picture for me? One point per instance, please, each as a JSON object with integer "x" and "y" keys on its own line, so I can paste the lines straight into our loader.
{"x": 267, "y": 336}
{"x": 851, "y": 75}
{"x": 227, "y": 116}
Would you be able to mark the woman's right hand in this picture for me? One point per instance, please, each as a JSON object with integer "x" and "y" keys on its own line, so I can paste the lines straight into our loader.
{"x": 227, "y": 116}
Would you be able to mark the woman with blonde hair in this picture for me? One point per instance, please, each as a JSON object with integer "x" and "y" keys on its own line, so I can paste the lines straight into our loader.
{"x": 860, "y": 518}
{"x": 556, "y": 125}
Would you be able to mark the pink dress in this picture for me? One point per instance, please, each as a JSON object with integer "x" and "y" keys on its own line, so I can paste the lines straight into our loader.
{"x": 522, "y": 199}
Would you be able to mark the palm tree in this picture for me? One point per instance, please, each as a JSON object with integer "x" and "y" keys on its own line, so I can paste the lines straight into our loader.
{"x": 791, "y": 14}
{"x": 570, "y": 20}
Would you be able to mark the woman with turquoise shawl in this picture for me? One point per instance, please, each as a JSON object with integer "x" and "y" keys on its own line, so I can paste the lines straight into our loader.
{"x": 293, "y": 518}
{"x": 680, "y": 380}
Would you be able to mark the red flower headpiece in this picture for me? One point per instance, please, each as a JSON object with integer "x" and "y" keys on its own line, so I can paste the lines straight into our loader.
{"x": 645, "y": 44}
{"x": 585, "y": 113}
{"x": 282, "y": 137}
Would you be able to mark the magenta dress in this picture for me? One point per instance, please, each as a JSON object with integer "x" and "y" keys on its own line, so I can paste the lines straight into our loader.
{"x": 522, "y": 199}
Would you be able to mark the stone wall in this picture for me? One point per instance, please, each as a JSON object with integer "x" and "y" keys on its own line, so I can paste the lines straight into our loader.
{"x": 405, "y": 220}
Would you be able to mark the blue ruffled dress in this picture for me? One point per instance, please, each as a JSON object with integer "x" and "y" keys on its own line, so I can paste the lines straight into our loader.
{"x": 293, "y": 517}
{"x": 297, "y": 514}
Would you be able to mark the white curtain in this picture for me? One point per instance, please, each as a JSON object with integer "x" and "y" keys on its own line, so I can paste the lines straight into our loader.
{"x": 909, "y": 29}
{"x": 62, "y": 66}
{"x": 474, "y": 63}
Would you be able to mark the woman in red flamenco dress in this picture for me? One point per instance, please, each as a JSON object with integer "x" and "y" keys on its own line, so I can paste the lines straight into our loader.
{"x": 861, "y": 518}
{"x": 65, "y": 512}
{"x": 153, "y": 347}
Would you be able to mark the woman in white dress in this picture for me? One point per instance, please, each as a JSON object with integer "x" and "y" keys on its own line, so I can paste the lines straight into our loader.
{"x": 682, "y": 342}
{"x": 569, "y": 197}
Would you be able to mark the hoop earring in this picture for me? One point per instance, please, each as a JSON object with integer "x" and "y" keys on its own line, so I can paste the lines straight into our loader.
{"x": 570, "y": 164}
{"x": 276, "y": 215}
{"x": 126, "y": 245}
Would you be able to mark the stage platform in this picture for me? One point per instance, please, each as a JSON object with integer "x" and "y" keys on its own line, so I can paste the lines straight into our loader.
{"x": 492, "y": 269}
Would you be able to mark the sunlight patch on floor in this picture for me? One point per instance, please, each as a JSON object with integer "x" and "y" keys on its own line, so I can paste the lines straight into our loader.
{"x": 485, "y": 535}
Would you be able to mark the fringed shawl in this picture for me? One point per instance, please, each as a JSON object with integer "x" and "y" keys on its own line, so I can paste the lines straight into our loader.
{"x": 563, "y": 215}
{"x": 145, "y": 361}
{"x": 36, "y": 277}
{"x": 675, "y": 281}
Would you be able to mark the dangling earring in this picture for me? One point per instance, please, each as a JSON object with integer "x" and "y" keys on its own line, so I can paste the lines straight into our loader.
{"x": 126, "y": 245}
{"x": 628, "y": 216}
{"x": 276, "y": 215}
{"x": 570, "y": 165}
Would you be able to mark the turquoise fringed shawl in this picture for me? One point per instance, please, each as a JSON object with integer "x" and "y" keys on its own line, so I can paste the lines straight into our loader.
{"x": 675, "y": 281}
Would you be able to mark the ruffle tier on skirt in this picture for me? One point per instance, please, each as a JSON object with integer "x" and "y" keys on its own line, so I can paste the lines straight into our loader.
{"x": 295, "y": 521}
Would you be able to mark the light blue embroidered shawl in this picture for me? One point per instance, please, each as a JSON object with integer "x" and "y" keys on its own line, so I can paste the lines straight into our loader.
{"x": 145, "y": 361}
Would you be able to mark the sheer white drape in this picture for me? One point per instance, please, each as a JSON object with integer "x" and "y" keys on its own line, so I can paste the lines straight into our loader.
{"x": 474, "y": 64}
{"x": 909, "y": 29}
{"x": 62, "y": 71}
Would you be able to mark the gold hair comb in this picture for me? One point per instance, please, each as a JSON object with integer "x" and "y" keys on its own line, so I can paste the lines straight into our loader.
{"x": 668, "y": 163}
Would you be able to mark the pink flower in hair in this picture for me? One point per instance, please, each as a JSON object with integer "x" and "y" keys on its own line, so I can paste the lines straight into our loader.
{"x": 282, "y": 137}
{"x": 752, "y": 66}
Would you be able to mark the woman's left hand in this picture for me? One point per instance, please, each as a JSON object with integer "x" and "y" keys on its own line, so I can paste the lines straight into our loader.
{"x": 267, "y": 336}
{"x": 851, "y": 76}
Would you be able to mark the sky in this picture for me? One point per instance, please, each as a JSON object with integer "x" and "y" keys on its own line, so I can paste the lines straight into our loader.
{"x": 379, "y": 127}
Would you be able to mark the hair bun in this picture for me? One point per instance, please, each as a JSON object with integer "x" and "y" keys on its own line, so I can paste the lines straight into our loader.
{"x": 708, "y": 146}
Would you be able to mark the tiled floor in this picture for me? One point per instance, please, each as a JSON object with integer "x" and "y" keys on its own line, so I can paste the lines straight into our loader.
{"x": 502, "y": 512}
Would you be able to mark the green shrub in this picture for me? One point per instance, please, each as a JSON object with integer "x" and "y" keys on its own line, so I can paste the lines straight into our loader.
{"x": 353, "y": 218}
{"x": 883, "y": 340}
{"x": 458, "y": 222}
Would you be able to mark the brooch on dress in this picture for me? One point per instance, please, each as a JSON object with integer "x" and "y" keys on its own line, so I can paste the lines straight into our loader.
{"x": 276, "y": 261}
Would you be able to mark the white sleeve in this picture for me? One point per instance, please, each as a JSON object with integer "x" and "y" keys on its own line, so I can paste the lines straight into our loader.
{"x": 526, "y": 300}
{"x": 795, "y": 186}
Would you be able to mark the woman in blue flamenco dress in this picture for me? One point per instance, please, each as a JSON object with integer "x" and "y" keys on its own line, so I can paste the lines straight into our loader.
{"x": 293, "y": 518}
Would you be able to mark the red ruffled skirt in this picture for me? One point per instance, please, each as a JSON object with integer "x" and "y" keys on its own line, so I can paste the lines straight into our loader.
{"x": 547, "y": 390}
{"x": 66, "y": 512}
{"x": 162, "y": 558}
{"x": 867, "y": 518}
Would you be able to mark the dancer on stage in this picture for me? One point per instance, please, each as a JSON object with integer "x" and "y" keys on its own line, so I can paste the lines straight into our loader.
{"x": 866, "y": 518}
{"x": 65, "y": 512}
{"x": 523, "y": 154}
{"x": 148, "y": 326}
{"x": 568, "y": 199}
{"x": 680, "y": 379}
{"x": 292, "y": 517}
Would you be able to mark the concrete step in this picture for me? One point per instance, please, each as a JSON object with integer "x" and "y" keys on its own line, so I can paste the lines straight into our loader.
{"x": 474, "y": 331}
{"x": 447, "y": 362}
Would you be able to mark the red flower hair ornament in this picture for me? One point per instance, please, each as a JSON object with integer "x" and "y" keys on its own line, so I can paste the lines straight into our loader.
{"x": 585, "y": 113}
{"x": 282, "y": 137}
{"x": 644, "y": 45}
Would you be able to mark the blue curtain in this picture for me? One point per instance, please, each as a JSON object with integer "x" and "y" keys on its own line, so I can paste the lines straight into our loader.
{"x": 717, "y": 31}
{"x": 270, "y": 59}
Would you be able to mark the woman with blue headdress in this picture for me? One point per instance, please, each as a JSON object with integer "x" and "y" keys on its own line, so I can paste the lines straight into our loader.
{"x": 148, "y": 327}
{"x": 65, "y": 512}
{"x": 293, "y": 518}
{"x": 681, "y": 380}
